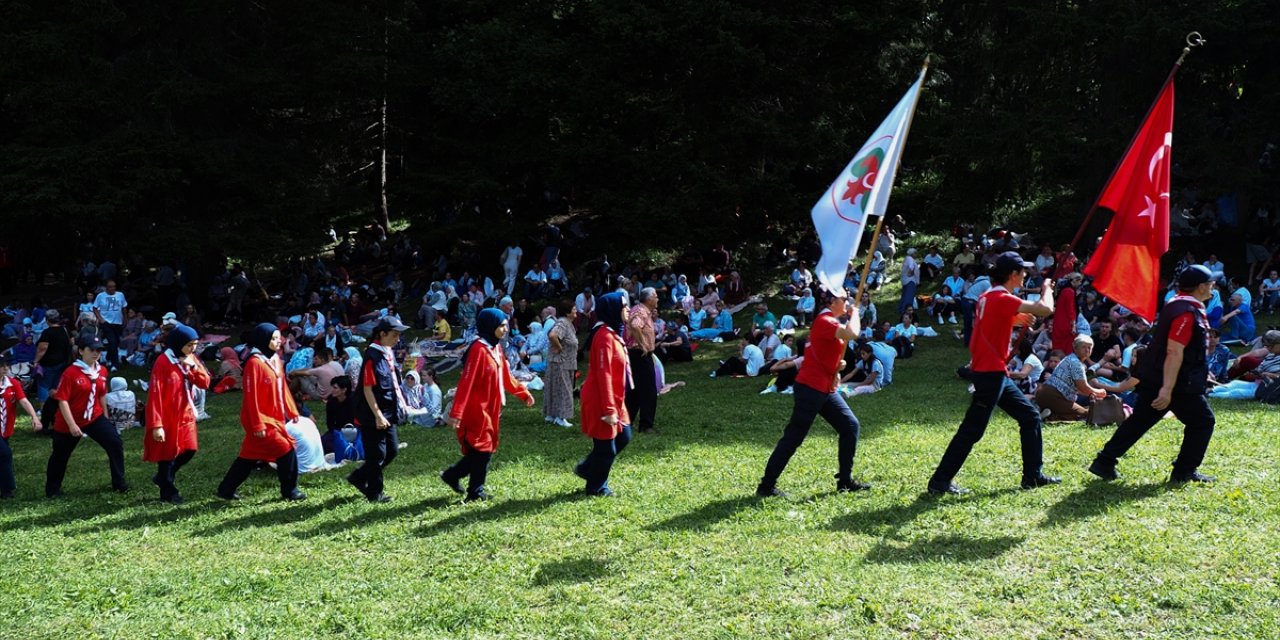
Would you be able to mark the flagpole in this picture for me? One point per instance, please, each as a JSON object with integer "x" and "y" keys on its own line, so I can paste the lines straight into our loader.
{"x": 875, "y": 235}
{"x": 1194, "y": 39}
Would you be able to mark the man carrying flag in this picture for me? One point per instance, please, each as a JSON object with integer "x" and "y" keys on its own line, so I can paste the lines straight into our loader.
{"x": 839, "y": 217}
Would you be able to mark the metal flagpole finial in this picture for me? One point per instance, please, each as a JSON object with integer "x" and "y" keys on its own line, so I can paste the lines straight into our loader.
{"x": 1194, "y": 39}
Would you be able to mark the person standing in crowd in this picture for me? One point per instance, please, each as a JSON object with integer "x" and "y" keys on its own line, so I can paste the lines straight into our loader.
{"x": 910, "y": 280}
{"x": 170, "y": 441}
{"x": 11, "y": 398}
{"x": 267, "y": 406}
{"x": 1173, "y": 374}
{"x": 1064, "y": 320}
{"x": 816, "y": 395}
{"x": 108, "y": 308}
{"x": 511, "y": 266}
{"x": 995, "y": 315}
{"x": 54, "y": 352}
{"x": 605, "y": 418}
{"x": 379, "y": 409}
{"x": 82, "y": 406}
{"x": 642, "y": 396}
{"x": 478, "y": 403}
{"x": 562, "y": 364}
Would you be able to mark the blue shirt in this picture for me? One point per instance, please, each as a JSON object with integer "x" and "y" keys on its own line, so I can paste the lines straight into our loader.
{"x": 886, "y": 355}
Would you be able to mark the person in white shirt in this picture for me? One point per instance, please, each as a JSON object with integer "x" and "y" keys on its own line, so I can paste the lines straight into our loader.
{"x": 933, "y": 264}
{"x": 748, "y": 362}
{"x": 769, "y": 341}
{"x": 312, "y": 324}
{"x": 1045, "y": 260}
{"x": 801, "y": 277}
{"x": 511, "y": 265}
{"x": 535, "y": 283}
{"x": 109, "y": 308}
{"x": 1216, "y": 267}
{"x": 805, "y": 306}
{"x": 910, "y": 280}
{"x": 1270, "y": 291}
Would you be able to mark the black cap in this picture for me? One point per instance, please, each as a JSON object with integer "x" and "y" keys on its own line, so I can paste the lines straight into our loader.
{"x": 390, "y": 323}
{"x": 7, "y": 359}
{"x": 1194, "y": 276}
{"x": 86, "y": 342}
{"x": 1011, "y": 261}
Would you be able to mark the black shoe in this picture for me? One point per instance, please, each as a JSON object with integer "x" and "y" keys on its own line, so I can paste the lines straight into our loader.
{"x": 1194, "y": 476}
{"x": 381, "y": 498}
{"x": 947, "y": 489}
{"x": 604, "y": 492}
{"x": 155, "y": 480}
{"x": 1040, "y": 481}
{"x": 360, "y": 486}
{"x": 479, "y": 496}
{"x": 296, "y": 496}
{"x": 53, "y": 494}
{"x": 1105, "y": 471}
{"x": 455, "y": 484}
{"x": 850, "y": 486}
{"x": 769, "y": 492}
{"x": 650, "y": 431}
{"x": 232, "y": 497}
{"x": 173, "y": 499}
{"x": 122, "y": 488}
{"x": 580, "y": 470}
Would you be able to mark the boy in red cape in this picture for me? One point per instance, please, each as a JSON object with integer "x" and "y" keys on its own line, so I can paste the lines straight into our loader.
{"x": 171, "y": 412}
{"x": 11, "y": 397}
{"x": 478, "y": 402}
{"x": 604, "y": 411}
{"x": 268, "y": 405}
{"x": 81, "y": 397}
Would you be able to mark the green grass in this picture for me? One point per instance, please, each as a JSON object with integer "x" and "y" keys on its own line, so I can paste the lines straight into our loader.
{"x": 685, "y": 551}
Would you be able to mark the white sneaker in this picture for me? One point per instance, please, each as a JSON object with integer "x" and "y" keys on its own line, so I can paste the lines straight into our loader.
{"x": 713, "y": 374}
{"x": 563, "y": 423}
{"x": 404, "y": 444}
{"x": 718, "y": 339}
{"x": 971, "y": 389}
{"x": 788, "y": 391}
{"x": 769, "y": 389}
{"x": 953, "y": 320}
{"x": 548, "y": 419}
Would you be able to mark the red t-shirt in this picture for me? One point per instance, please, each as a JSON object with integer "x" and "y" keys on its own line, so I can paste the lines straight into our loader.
{"x": 9, "y": 399}
{"x": 1180, "y": 330}
{"x": 78, "y": 391}
{"x": 993, "y": 329}
{"x": 822, "y": 356}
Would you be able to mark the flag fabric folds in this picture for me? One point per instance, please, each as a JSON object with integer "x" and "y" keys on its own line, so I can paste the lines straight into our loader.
{"x": 861, "y": 190}
{"x": 1126, "y": 266}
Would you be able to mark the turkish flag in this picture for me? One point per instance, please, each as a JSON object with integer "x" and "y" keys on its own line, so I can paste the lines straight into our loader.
{"x": 1126, "y": 266}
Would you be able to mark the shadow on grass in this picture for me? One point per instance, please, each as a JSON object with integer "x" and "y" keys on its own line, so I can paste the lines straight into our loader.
{"x": 153, "y": 513}
{"x": 259, "y": 517}
{"x": 573, "y": 571}
{"x": 707, "y": 515}
{"x": 62, "y": 511}
{"x": 953, "y": 548}
{"x": 375, "y": 514}
{"x": 887, "y": 521}
{"x": 1097, "y": 498}
{"x": 476, "y": 513}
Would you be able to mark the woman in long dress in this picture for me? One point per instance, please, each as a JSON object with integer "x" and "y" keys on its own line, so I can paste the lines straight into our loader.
{"x": 562, "y": 364}
{"x": 171, "y": 440}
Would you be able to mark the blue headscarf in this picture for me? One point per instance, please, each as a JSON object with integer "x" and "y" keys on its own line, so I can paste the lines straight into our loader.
{"x": 260, "y": 338}
{"x": 609, "y": 310}
{"x": 178, "y": 338}
{"x": 487, "y": 323}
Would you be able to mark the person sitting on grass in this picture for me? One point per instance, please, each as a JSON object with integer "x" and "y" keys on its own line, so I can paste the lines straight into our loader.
{"x": 674, "y": 345}
{"x": 749, "y": 361}
{"x": 1057, "y": 397}
{"x": 696, "y": 315}
{"x": 1238, "y": 325}
{"x": 944, "y": 305}
{"x": 1025, "y": 369}
{"x": 762, "y": 317}
{"x": 1245, "y": 387}
{"x": 867, "y": 375}
{"x": 1219, "y": 358}
{"x": 721, "y": 328}
{"x": 786, "y": 366}
{"x": 902, "y": 337}
{"x": 805, "y": 306}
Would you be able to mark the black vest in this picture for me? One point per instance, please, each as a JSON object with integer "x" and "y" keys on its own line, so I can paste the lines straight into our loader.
{"x": 1194, "y": 375}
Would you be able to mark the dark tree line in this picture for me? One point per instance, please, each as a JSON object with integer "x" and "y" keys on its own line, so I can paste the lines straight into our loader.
{"x": 177, "y": 129}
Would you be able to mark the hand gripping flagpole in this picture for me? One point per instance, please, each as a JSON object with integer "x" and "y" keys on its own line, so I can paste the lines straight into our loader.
{"x": 875, "y": 235}
{"x": 1194, "y": 39}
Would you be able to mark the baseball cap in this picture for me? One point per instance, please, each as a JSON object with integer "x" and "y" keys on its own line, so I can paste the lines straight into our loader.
{"x": 1011, "y": 261}
{"x": 87, "y": 342}
{"x": 389, "y": 323}
{"x": 1194, "y": 276}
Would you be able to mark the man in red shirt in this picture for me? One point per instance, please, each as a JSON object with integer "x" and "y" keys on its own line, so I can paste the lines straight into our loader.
{"x": 1173, "y": 374}
{"x": 995, "y": 314}
{"x": 815, "y": 394}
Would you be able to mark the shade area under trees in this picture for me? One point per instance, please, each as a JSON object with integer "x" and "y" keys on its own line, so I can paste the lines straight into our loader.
{"x": 246, "y": 129}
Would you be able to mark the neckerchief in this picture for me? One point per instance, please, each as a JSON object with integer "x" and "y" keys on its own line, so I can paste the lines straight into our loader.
{"x": 92, "y": 373}
{"x": 185, "y": 370}
{"x": 495, "y": 354}
{"x": 389, "y": 355}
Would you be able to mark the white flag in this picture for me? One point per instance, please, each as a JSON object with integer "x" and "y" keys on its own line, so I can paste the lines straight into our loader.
{"x": 862, "y": 190}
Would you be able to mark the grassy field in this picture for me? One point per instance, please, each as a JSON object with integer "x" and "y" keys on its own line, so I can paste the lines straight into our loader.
{"x": 685, "y": 551}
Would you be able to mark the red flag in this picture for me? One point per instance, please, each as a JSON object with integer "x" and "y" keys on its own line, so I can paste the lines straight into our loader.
{"x": 1126, "y": 266}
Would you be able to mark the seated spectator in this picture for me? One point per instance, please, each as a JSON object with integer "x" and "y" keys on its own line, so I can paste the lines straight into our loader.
{"x": 314, "y": 382}
{"x": 312, "y": 325}
{"x": 535, "y": 283}
{"x": 1219, "y": 358}
{"x": 191, "y": 318}
{"x": 785, "y": 368}
{"x": 1107, "y": 348}
{"x": 876, "y": 275}
{"x": 1051, "y": 362}
{"x": 1269, "y": 292}
{"x": 1237, "y": 322}
{"x": 805, "y": 306}
{"x": 885, "y": 353}
{"x": 867, "y": 313}
{"x": 710, "y": 298}
{"x": 735, "y": 290}
{"x": 1045, "y": 261}
{"x": 762, "y": 317}
{"x": 801, "y": 277}
{"x": 1025, "y": 369}
{"x": 131, "y": 331}
{"x": 944, "y": 305}
{"x": 1042, "y": 339}
{"x": 333, "y": 338}
{"x": 674, "y": 345}
{"x": 696, "y": 315}
{"x": 749, "y": 361}
{"x": 122, "y": 405}
{"x": 535, "y": 348}
{"x": 1057, "y": 397}
{"x": 721, "y": 328}
{"x": 681, "y": 296}
{"x": 557, "y": 279}
{"x": 932, "y": 264}
{"x": 902, "y": 337}
{"x": 25, "y": 351}
{"x": 585, "y": 303}
{"x": 230, "y": 372}
{"x": 1216, "y": 267}
{"x": 867, "y": 375}
{"x": 1245, "y": 387}
{"x": 432, "y": 398}
{"x": 768, "y": 340}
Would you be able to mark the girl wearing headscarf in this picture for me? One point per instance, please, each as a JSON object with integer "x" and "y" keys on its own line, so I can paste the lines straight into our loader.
{"x": 230, "y": 372}
{"x": 604, "y": 411}
{"x": 354, "y": 363}
{"x": 82, "y": 403}
{"x": 267, "y": 406}
{"x": 170, "y": 441}
{"x": 478, "y": 402}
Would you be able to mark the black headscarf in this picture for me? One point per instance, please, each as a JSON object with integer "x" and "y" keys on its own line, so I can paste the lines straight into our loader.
{"x": 179, "y": 336}
{"x": 487, "y": 323}
{"x": 260, "y": 338}
{"x": 609, "y": 314}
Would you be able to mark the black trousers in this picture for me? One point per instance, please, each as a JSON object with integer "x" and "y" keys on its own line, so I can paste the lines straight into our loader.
{"x": 102, "y": 432}
{"x": 381, "y": 446}
{"x": 597, "y": 465}
{"x": 286, "y": 470}
{"x": 167, "y": 471}
{"x": 993, "y": 389}
{"x": 642, "y": 399}
{"x": 1191, "y": 409}
{"x": 473, "y": 465}
{"x": 809, "y": 404}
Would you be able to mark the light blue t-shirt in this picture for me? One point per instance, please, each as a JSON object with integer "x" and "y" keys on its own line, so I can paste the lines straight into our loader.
{"x": 755, "y": 359}
{"x": 782, "y": 352}
{"x": 886, "y": 355}
{"x": 876, "y": 367}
